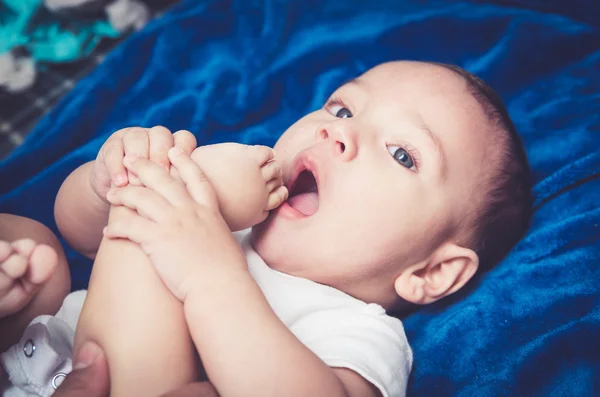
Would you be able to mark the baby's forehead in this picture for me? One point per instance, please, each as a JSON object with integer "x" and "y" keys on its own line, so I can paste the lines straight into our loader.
{"x": 427, "y": 78}
{"x": 434, "y": 91}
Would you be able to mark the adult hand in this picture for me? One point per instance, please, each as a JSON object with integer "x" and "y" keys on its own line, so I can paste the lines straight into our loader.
{"x": 89, "y": 376}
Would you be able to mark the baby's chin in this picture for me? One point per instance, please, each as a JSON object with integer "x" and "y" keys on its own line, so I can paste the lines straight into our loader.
{"x": 267, "y": 243}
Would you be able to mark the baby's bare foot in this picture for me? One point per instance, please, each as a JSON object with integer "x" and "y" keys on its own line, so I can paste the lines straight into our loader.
{"x": 24, "y": 268}
{"x": 247, "y": 179}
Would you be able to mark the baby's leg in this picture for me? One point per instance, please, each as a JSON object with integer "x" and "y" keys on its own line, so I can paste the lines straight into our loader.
{"x": 137, "y": 321}
{"x": 34, "y": 276}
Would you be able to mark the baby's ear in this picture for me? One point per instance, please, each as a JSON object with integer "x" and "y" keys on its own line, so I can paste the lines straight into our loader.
{"x": 446, "y": 271}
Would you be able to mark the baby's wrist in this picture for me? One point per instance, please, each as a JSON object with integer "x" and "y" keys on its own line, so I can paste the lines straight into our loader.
{"x": 207, "y": 292}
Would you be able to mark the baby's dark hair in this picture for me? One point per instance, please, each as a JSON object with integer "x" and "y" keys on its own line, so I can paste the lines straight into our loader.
{"x": 505, "y": 205}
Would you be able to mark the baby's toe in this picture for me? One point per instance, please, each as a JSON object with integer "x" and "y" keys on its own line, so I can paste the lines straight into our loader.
{"x": 263, "y": 154}
{"x": 42, "y": 263}
{"x": 271, "y": 170}
{"x": 15, "y": 266}
{"x": 24, "y": 246}
{"x": 276, "y": 198}
{"x": 274, "y": 184}
{"x": 5, "y": 250}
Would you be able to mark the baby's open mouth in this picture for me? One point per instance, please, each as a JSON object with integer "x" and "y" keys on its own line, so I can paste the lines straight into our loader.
{"x": 304, "y": 194}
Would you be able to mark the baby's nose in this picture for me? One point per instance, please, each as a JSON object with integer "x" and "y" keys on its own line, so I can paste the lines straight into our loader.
{"x": 341, "y": 142}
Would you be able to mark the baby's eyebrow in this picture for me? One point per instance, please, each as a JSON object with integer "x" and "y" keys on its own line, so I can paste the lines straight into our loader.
{"x": 354, "y": 81}
{"x": 435, "y": 139}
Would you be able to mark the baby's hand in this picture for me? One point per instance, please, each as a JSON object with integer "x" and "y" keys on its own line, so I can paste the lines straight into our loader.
{"x": 177, "y": 222}
{"x": 148, "y": 143}
{"x": 247, "y": 179}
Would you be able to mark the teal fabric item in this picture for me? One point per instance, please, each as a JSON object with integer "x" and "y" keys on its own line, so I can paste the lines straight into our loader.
{"x": 46, "y": 36}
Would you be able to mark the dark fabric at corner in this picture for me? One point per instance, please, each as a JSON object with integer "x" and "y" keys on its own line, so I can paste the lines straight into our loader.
{"x": 244, "y": 71}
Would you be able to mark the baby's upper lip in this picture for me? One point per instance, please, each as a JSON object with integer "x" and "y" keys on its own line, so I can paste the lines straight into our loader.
{"x": 303, "y": 161}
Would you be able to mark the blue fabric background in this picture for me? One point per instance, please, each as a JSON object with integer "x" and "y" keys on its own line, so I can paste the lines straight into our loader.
{"x": 245, "y": 70}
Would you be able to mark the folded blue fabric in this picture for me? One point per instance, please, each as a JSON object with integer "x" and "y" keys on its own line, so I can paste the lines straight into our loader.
{"x": 243, "y": 71}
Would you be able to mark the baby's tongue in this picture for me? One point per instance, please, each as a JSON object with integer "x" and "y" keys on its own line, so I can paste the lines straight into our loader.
{"x": 305, "y": 203}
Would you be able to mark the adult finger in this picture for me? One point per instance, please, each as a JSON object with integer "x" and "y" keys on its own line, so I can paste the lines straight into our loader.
{"x": 161, "y": 140}
{"x": 90, "y": 374}
{"x": 196, "y": 182}
{"x": 145, "y": 201}
{"x": 136, "y": 144}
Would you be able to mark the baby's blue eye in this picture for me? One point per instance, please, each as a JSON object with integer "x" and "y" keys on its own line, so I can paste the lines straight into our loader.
{"x": 343, "y": 113}
{"x": 401, "y": 156}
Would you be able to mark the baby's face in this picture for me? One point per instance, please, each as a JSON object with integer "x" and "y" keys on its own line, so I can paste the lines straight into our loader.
{"x": 393, "y": 159}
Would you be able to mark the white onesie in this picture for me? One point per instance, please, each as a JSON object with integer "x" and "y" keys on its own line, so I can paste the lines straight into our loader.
{"x": 341, "y": 330}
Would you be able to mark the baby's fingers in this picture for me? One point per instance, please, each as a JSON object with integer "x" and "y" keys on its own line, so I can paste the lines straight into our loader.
{"x": 144, "y": 201}
{"x": 276, "y": 198}
{"x": 196, "y": 182}
{"x": 186, "y": 141}
{"x": 134, "y": 228}
{"x": 112, "y": 156}
{"x": 136, "y": 144}
{"x": 161, "y": 140}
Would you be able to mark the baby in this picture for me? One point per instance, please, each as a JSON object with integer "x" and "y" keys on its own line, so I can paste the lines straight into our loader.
{"x": 407, "y": 182}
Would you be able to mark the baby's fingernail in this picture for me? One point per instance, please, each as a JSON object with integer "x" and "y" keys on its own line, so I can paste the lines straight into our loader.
{"x": 104, "y": 230}
{"x": 86, "y": 356}
{"x": 274, "y": 152}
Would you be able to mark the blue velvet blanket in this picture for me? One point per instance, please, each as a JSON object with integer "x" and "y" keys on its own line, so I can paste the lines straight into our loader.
{"x": 244, "y": 71}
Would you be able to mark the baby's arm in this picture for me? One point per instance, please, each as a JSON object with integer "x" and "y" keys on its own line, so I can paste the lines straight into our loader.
{"x": 80, "y": 213}
{"x": 127, "y": 310}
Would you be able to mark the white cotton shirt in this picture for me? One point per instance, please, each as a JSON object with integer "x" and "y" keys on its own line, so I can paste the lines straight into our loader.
{"x": 342, "y": 331}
